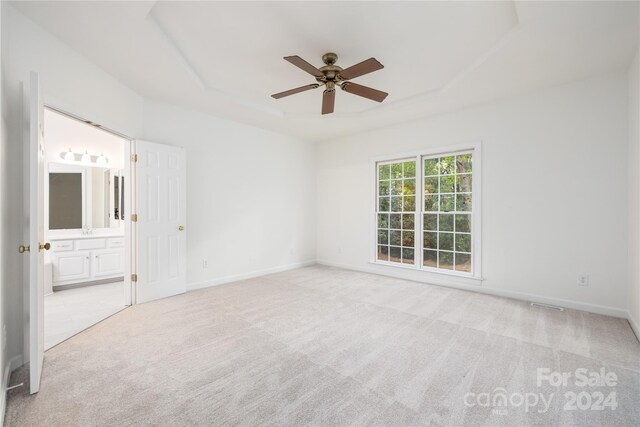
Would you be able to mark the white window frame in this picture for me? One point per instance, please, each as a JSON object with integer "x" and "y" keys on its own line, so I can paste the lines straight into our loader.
{"x": 476, "y": 208}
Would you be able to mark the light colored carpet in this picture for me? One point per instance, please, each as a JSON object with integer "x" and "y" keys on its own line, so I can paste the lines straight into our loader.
{"x": 73, "y": 310}
{"x": 324, "y": 346}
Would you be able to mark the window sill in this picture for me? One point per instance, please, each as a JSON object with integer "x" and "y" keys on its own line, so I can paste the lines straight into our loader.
{"x": 436, "y": 274}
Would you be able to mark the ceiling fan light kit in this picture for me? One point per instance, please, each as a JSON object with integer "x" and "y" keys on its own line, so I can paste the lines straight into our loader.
{"x": 331, "y": 76}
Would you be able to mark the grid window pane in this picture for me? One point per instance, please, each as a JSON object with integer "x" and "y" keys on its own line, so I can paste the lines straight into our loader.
{"x": 431, "y": 185}
{"x": 431, "y": 222}
{"x": 447, "y": 212}
{"x": 409, "y": 187}
{"x": 408, "y": 222}
{"x": 383, "y": 188}
{"x": 463, "y": 183}
{"x": 409, "y": 204}
{"x": 383, "y": 253}
{"x": 430, "y": 240}
{"x": 464, "y": 163}
{"x": 463, "y": 202}
{"x": 448, "y": 184}
{"x": 445, "y": 241}
{"x": 407, "y": 256}
{"x": 395, "y": 237}
{"x": 383, "y": 237}
{"x": 463, "y": 242}
{"x": 395, "y": 254}
{"x": 383, "y": 204}
{"x": 396, "y": 187}
{"x": 430, "y": 259}
{"x": 463, "y": 262}
{"x": 445, "y": 260}
{"x": 447, "y": 202}
{"x": 396, "y": 203}
{"x": 447, "y": 165}
{"x": 431, "y": 167}
{"x": 446, "y": 222}
{"x": 431, "y": 203}
{"x": 396, "y": 212}
{"x": 384, "y": 172}
{"x": 407, "y": 238}
{"x": 394, "y": 221}
{"x": 409, "y": 169}
{"x": 463, "y": 223}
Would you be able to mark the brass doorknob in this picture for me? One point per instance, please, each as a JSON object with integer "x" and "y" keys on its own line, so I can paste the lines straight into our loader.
{"x": 22, "y": 249}
{"x": 181, "y": 228}
{"x": 46, "y": 246}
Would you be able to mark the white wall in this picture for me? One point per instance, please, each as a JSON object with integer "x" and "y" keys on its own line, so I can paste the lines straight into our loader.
{"x": 250, "y": 198}
{"x": 554, "y": 192}
{"x": 634, "y": 194}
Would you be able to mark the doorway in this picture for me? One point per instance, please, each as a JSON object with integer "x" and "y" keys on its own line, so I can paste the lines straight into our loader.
{"x": 149, "y": 196}
{"x": 86, "y": 193}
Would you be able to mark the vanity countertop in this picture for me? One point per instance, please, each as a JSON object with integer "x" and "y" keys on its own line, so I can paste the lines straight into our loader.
{"x": 83, "y": 236}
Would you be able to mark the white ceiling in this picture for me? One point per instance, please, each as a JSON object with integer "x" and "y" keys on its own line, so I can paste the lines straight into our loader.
{"x": 225, "y": 58}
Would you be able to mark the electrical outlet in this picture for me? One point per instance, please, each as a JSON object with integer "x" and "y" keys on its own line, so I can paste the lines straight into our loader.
{"x": 204, "y": 264}
{"x": 583, "y": 280}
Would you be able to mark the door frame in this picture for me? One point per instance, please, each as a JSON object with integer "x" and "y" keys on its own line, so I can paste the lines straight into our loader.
{"x": 129, "y": 249}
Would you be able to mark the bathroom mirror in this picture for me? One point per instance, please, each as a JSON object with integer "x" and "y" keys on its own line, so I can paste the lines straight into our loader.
{"x": 82, "y": 197}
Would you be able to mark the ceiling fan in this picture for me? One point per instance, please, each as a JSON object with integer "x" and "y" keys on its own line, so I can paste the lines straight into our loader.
{"x": 331, "y": 76}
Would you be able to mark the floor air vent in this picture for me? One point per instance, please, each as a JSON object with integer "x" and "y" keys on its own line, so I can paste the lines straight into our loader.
{"x": 552, "y": 307}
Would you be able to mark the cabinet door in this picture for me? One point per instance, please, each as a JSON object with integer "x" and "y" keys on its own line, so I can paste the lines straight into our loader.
{"x": 108, "y": 263}
{"x": 71, "y": 266}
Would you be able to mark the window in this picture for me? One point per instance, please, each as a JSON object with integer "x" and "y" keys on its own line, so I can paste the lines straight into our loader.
{"x": 396, "y": 212}
{"x": 425, "y": 215}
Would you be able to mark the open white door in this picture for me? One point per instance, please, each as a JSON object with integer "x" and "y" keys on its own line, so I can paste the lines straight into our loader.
{"x": 160, "y": 206}
{"x": 36, "y": 234}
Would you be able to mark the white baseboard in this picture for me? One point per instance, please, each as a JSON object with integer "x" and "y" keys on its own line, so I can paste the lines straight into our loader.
{"x": 12, "y": 364}
{"x": 250, "y": 275}
{"x": 634, "y": 325}
{"x": 576, "y": 305}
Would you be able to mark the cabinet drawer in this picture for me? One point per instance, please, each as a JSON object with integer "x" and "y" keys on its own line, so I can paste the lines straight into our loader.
{"x": 62, "y": 245}
{"x": 115, "y": 243}
{"x": 90, "y": 244}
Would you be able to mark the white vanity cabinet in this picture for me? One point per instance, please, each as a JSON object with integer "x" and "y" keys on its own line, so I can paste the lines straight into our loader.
{"x": 86, "y": 259}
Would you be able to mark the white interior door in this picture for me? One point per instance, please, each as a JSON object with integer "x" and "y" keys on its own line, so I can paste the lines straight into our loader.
{"x": 161, "y": 240}
{"x": 36, "y": 233}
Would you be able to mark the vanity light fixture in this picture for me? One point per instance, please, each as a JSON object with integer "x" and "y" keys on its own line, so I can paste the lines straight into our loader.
{"x": 69, "y": 156}
{"x": 102, "y": 160}
{"x": 86, "y": 158}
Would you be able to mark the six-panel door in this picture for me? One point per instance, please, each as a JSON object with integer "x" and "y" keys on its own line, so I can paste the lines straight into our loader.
{"x": 160, "y": 227}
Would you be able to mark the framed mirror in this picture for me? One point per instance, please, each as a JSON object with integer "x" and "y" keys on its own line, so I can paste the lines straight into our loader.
{"x": 84, "y": 197}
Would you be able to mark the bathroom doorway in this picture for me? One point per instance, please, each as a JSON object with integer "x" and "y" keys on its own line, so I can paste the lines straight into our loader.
{"x": 86, "y": 195}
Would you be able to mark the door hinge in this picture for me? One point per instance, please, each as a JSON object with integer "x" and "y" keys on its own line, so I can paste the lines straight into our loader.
{"x": 134, "y": 157}
{"x": 134, "y": 277}
{"x": 134, "y": 217}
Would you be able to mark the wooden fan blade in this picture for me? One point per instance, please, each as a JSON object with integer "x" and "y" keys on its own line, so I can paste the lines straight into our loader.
{"x": 304, "y": 65}
{"x": 364, "y": 67}
{"x": 364, "y": 91}
{"x": 294, "y": 91}
{"x": 328, "y": 101}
